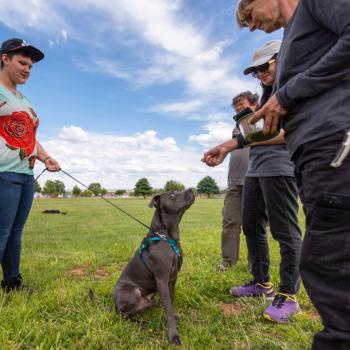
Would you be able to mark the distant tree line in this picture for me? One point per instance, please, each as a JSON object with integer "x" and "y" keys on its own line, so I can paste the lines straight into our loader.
{"x": 55, "y": 188}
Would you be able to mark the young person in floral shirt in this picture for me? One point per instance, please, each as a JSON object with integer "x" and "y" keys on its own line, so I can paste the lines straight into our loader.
{"x": 18, "y": 151}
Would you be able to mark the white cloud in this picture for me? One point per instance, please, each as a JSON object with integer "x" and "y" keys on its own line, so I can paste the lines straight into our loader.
{"x": 184, "y": 107}
{"x": 34, "y": 14}
{"x": 217, "y": 132}
{"x": 172, "y": 47}
{"x": 119, "y": 161}
{"x": 64, "y": 34}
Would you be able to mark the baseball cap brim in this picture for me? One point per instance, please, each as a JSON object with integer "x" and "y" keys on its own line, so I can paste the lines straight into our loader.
{"x": 257, "y": 63}
{"x": 32, "y": 51}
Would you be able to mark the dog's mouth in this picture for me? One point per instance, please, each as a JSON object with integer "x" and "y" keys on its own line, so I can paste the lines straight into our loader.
{"x": 190, "y": 197}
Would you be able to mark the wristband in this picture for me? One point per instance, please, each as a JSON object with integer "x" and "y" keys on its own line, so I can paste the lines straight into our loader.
{"x": 46, "y": 159}
{"x": 241, "y": 142}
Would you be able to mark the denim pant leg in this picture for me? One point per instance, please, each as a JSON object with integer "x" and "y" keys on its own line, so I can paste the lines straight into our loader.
{"x": 254, "y": 221}
{"x": 15, "y": 202}
{"x": 281, "y": 198}
{"x": 325, "y": 258}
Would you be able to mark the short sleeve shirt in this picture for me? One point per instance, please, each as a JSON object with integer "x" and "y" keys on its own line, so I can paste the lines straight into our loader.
{"x": 270, "y": 160}
{"x": 238, "y": 167}
{"x": 18, "y": 125}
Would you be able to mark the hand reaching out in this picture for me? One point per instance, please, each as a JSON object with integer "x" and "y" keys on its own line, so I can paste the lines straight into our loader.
{"x": 216, "y": 155}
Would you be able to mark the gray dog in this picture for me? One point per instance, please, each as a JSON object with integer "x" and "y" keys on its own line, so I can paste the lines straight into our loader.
{"x": 155, "y": 266}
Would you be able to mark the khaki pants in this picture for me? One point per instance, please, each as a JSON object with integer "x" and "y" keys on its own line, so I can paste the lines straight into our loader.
{"x": 231, "y": 224}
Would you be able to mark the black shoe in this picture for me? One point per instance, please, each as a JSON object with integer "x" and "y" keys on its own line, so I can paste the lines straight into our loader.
{"x": 14, "y": 284}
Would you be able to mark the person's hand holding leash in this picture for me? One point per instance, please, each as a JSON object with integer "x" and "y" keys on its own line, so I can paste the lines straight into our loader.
{"x": 52, "y": 165}
{"x": 272, "y": 111}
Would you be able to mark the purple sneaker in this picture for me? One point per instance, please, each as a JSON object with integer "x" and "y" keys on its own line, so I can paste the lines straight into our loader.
{"x": 252, "y": 289}
{"x": 283, "y": 307}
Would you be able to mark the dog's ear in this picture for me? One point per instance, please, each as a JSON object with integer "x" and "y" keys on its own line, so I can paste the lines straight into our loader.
{"x": 155, "y": 201}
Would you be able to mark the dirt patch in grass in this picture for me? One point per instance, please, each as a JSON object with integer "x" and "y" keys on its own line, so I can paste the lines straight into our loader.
{"x": 78, "y": 271}
{"x": 231, "y": 309}
{"x": 82, "y": 271}
{"x": 101, "y": 274}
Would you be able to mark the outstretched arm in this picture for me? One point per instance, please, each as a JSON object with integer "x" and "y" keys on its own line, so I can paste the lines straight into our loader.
{"x": 217, "y": 155}
{"x": 50, "y": 163}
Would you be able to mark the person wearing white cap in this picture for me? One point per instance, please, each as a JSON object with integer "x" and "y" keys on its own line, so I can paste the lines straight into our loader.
{"x": 269, "y": 195}
{"x": 19, "y": 149}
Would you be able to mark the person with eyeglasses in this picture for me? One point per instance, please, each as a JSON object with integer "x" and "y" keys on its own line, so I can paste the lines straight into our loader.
{"x": 270, "y": 195}
{"x": 19, "y": 150}
{"x": 312, "y": 99}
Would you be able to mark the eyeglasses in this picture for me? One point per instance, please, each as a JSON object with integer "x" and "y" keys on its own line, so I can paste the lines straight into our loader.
{"x": 262, "y": 68}
{"x": 244, "y": 21}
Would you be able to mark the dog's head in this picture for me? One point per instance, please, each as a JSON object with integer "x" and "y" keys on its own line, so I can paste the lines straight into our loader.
{"x": 173, "y": 202}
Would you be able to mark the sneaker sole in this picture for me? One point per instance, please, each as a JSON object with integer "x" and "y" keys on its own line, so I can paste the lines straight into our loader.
{"x": 267, "y": 317}
{"x": 263, "y": 296}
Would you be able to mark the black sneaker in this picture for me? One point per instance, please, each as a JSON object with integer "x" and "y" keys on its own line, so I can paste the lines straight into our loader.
{"x": 15, "y": 284}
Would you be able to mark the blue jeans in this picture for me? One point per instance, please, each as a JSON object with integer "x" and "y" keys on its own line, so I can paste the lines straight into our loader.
{"x": 16, "y": 197}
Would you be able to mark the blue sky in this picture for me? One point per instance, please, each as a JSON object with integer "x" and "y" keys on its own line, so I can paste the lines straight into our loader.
{"x": 133, "y": 88}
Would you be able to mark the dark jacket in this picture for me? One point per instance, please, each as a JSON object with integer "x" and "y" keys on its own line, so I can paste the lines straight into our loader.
{"x": 313, "y": 71}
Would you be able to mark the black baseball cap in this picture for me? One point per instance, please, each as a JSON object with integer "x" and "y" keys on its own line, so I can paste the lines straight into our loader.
{"x": 15, "y": 44}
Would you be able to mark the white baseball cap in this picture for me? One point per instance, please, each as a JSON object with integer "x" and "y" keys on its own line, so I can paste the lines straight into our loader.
{"x": 263, "y": 55}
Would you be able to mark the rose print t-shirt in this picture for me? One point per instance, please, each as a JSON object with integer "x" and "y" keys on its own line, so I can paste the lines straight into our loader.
{"x": 18, "y": 124}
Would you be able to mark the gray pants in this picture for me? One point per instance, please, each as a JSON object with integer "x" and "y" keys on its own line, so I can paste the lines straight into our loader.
{"x": 231, "y": 224}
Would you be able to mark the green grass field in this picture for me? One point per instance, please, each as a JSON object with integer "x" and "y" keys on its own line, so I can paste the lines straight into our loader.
{"x": 66, "y": 255}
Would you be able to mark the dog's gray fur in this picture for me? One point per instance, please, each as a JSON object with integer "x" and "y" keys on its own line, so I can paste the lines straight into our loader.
{"x": 140, "y": 280}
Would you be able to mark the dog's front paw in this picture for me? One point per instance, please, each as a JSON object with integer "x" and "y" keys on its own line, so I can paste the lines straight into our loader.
{"x": 175, "y": 339}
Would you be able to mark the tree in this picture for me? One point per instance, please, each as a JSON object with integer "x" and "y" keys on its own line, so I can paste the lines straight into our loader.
{"x": 95, "y": 188}
{"x": 103, "y": 191}
{"x": 119, "y": 192}
{"x": 37, "y": 187}
{"x": 54, "y": 188}
{"x": 172, "y": 185}
{"x": 76, "y": 191}
{"x": 208, "y": 186}
{"x": 86, "y": 193}
{"x": 158, "y": 191}
{"x": 61, "y": 188}
{"x": 142, "y": 188}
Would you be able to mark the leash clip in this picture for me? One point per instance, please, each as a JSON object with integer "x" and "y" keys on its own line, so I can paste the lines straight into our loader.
{"x": 342, "y": 153}
{"x": 161, "y": 236}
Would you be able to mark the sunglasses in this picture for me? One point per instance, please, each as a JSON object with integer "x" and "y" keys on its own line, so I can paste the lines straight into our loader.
{"x": 262, "y": 68}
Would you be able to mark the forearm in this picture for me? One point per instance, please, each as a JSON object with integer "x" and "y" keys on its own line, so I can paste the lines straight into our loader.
{"x": 42, "y": 155}
{"x": 230, "y": 145}
{"x": 279, "y": 139}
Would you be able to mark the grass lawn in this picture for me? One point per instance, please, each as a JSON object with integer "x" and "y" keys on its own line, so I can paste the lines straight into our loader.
{"x": 66, "y": 255}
